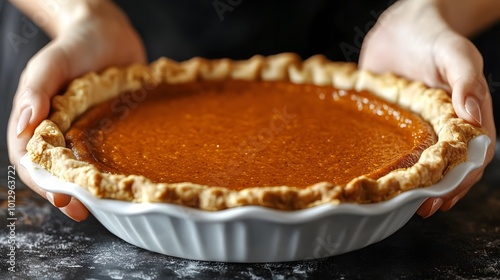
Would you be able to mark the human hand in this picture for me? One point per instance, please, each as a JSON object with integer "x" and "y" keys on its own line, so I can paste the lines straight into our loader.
{"x": 414, "y": 40}
{"x": 88, "y": 36}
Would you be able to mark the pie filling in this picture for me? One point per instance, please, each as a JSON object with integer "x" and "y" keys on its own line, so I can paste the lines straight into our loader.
{"x": 241, "y": 134}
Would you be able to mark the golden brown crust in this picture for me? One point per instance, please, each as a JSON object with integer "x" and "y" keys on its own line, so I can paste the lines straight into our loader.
{"x": 47, "y": 147}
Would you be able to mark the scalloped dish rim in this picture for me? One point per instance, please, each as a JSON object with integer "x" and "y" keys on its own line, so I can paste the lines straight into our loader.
{"x": 476, "y": 156}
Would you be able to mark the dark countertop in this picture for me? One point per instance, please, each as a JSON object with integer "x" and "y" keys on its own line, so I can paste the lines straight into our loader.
{"x": 463, "y": 243}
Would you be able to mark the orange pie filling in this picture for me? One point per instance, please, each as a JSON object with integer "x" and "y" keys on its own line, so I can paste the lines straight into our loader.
{"x": 240, "y": 134}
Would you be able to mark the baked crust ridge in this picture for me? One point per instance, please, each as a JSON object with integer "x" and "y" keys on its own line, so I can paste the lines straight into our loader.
{"x": 47, "y": 147}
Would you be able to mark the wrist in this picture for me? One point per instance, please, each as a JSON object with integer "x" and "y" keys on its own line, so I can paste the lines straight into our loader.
{"x": 469, "y": 17}
{"x": 75, "y": 13}
{"x": 55, "y": 16}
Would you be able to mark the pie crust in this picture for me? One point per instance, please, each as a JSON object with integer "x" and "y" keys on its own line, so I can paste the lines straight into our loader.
{"x": 48, "y": 147}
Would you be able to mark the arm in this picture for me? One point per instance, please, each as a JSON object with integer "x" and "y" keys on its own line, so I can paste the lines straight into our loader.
{"x": 50, "y": 14}
{"x": 88, "y": 35}
{"x": 469, "y": 17}
{"x": 55, "y": 16}
{"x": 426, "y": 40}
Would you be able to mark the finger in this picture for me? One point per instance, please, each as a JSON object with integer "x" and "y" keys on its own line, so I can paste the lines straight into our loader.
{"x": 26, "y": 178}
{"x": 471, "y": 179}
{"x": 452, "y": 198}
{"x": 452, "y": 202}
{"x": 57, "y": 199}
{"x": 429, "y": 207}
{"x": 75, "y": 210}
{"x": 445, "y": 203}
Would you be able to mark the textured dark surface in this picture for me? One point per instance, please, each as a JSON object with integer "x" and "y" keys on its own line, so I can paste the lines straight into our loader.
{"x": 463, "y": 243}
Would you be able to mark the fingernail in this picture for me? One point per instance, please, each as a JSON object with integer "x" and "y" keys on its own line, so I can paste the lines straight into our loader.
{"x": 453, "y": 202}
{"x": 448, "y": 205}
{"x": 67, "y": 214}
{"x": 50, "y": 197}
{"x": 436, "y": 204}
{"x": 24, "y": 119}
{"x": 473, "y": 109}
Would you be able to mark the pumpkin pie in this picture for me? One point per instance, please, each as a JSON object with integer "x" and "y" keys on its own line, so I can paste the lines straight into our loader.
{"x": 271, "y": 131}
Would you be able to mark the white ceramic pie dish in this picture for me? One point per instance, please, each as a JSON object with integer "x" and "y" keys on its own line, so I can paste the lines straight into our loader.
{"x": 253, "y": 233}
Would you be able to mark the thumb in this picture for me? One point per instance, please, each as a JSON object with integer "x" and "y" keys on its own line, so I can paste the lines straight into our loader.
{"x": 461, "y": 66}
{"x": 42, "y": 78}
